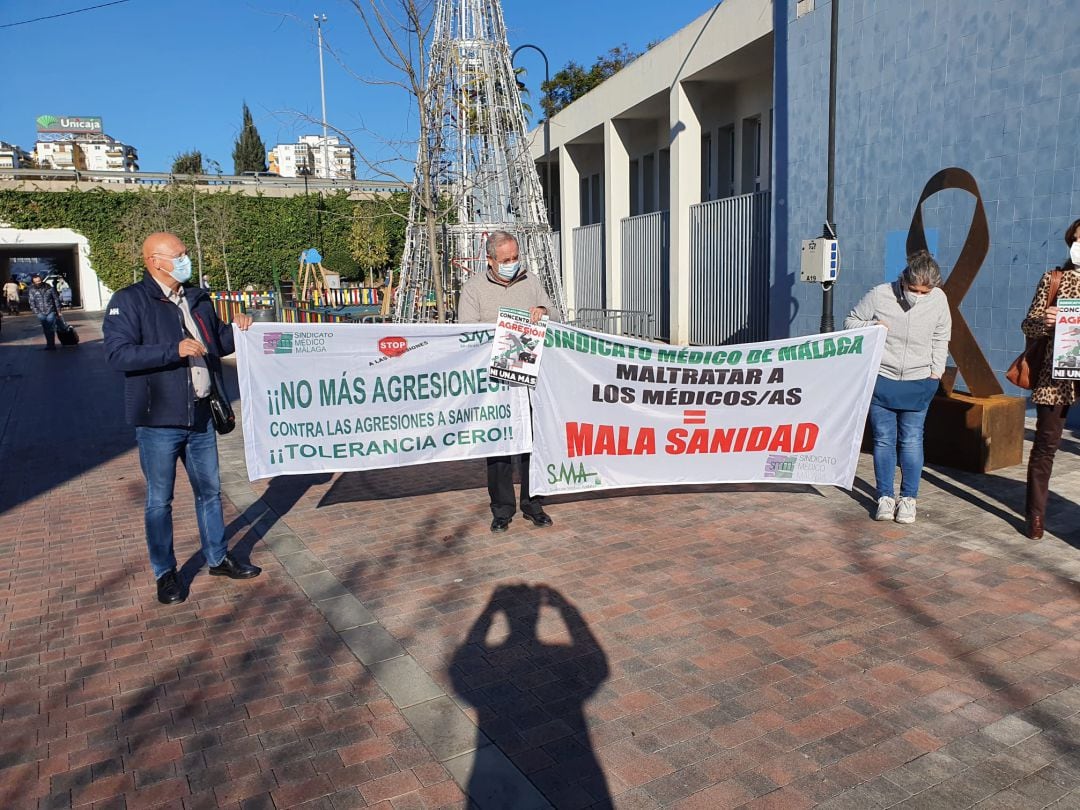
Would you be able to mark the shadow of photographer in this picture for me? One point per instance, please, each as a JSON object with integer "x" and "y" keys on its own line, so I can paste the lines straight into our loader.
{"x": 529, "y": 693}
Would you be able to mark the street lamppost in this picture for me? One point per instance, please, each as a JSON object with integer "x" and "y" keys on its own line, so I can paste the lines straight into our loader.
{"x": 304, "y": 170}
{"x": 548, "y": 196}
{"x": 319, "y": 20}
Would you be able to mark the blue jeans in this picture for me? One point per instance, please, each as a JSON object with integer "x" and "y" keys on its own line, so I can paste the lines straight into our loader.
{"x": 159, "y": 448}
{"x": 48, "y": 326}
{"x": 888, "y": 426}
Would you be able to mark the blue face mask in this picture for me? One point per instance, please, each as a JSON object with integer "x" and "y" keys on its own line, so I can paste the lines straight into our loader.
{"x": 509, "y": 270}
{"x": 181, "y": 268}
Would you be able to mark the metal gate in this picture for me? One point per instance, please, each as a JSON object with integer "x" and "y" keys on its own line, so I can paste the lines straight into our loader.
{"x": 646, "y": 278}
{"x": 589, "y": 287}
{"x": 729, "y": 270}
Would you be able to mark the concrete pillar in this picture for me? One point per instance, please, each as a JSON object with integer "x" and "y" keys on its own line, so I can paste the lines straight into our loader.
{"x": 570, "y": 218}
{"x": 616, "y": 206}
{"x": 685, "y": 191}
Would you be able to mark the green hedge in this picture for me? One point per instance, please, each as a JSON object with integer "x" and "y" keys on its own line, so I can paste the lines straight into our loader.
{"x": 254, "y": 235}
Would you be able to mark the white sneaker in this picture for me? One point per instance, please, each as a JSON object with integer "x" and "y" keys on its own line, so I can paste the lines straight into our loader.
{"x": 886, "y": 508}
{"x": 905, "y": 511}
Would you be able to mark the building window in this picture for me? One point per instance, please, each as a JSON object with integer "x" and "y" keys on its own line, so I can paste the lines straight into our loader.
{"x": 725, "y": 181}
{"x": 706, "y": 167}
{"x": 665, "y": 180}
{"x": 635, "y": 187}
{"x": 648, "y": 184}
{"x": 751, "y": 154}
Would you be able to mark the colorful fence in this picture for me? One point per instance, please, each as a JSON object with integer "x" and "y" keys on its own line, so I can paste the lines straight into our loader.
{"x": 229, "y": 302}
{"x": 291, "y": 314}
{"x": 346, "y": 297}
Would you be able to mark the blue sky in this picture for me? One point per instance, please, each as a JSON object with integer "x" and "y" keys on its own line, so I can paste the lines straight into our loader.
{"x": 171, "y": 76}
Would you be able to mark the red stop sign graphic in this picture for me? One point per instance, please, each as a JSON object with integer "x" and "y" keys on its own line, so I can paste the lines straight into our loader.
{"x": 393, "y": 346}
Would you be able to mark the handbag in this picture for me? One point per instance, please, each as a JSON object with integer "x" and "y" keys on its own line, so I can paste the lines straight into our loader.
{"x": 1024, "y": 371}
{"x": 221, "y": 411}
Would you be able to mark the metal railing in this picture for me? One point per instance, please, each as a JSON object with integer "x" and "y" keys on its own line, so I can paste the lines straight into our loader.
{"x": 729, "y": 270}
{"x": 626, "y": 322}
{"x": 589, "y": 288}
{"x": 166, "y": 178}
{"x": 646, "y": 278}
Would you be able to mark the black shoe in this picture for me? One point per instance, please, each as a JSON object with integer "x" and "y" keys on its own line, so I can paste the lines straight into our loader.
{"x": 169, "y": 591}
{"x": 539, "y": 518}
{"x": 500, "y": 524}
{"x": 234, "y": 569}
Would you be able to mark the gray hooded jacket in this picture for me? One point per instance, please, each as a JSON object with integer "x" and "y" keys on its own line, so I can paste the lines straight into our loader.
{"x": 917, "y": 343}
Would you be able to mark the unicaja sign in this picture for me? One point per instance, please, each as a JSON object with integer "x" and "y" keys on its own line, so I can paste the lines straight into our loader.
{"x": 68, "y": 123}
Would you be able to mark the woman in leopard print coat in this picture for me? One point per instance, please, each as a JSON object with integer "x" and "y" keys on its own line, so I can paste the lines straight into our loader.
{"x": 1052, "y": 398}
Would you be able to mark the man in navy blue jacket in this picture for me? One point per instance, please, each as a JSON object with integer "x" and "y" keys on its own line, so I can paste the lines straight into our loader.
{"x": 168, "y": 340}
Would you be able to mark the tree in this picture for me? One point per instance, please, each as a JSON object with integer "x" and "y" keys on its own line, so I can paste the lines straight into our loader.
{"x": 574, "y": 81}
{"x": 400, "y": 32}
{"x": 519, "y": 77}
{"x": 188, "y": 162}
{"x": 369, "y": 243}
{"x": 249, "y": 154}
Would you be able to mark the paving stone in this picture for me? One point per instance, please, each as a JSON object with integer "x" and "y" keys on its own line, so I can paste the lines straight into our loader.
{"x": 689, "y": 647}
{"x": 321, "y": 585}
{"x": 372, "y": 644}
{"x": 444, "y": 728}
{"x": 299, "y": 563}
{"x": 1010, "y": 730}
{"x": 492, "y": 782}
{"x": 404, "y": 681}
{"x": 344, "y": 612}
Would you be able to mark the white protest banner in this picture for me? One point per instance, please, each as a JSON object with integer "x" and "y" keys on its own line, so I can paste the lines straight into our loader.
{"x": 613, "y": 412}
{"x": 1067, "y": 340}
{"x": 337, "y": 397}
{"x": 518, "y": 345}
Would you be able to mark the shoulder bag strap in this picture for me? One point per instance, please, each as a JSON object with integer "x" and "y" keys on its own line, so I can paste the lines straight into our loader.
{"x": 1055, "y": 285}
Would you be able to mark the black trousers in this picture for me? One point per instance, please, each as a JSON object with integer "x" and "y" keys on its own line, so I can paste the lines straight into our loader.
{"x": 500, "y": 473}
{"x": 1050, "y": 421}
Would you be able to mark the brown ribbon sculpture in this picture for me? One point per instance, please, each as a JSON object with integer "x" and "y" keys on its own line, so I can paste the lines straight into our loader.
{"x": 970, "y": 360}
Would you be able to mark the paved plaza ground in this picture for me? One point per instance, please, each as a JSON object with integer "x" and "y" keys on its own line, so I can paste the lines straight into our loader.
{"x": 701, "y": 647}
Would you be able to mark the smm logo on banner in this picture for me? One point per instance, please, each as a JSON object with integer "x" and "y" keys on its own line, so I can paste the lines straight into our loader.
{"x": 780, "y": 466}
{"x": 393, "y": 346}
{"x": 277, "y": 343}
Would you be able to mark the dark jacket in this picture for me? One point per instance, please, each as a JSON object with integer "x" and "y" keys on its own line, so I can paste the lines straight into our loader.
{"x": 142, "y": 331}
{"x": 43, "y": 300}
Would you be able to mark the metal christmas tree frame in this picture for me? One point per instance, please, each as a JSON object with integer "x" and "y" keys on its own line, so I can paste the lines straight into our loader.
{"x": 480, "y": 167}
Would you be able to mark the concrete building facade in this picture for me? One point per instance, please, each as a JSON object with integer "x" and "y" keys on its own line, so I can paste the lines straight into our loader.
{"x": 687, "y": 122}
{"x": 332, "y": 161}
{"x": 13, "y": 157}
{"x": 736, "y": 103}
{"x": 990, "y": 87}
{"x": 91, "y": 152}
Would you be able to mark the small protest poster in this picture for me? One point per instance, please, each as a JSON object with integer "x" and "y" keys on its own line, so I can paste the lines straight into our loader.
{"x": 1067, "y": 340}
{"x": 516, "y": 350}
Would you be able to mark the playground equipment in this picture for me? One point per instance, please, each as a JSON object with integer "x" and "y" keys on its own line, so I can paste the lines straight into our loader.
{"x": 311, "y": 271}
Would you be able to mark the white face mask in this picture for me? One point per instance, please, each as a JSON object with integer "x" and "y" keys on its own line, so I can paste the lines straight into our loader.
{"x": 913, "y": 297}
{"x": 1074, "y": 253}
{"x": 508, "y": 271}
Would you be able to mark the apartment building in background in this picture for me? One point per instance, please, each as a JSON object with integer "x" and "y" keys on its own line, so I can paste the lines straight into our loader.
{"x": 80, "y": 142}
{"x": 334, "y": 161}
{"x": 13, "y": 156}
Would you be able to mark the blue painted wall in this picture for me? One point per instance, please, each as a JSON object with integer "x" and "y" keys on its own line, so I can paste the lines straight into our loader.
{"x": 992, "y": 86}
